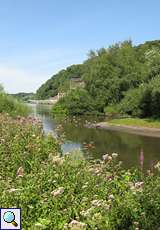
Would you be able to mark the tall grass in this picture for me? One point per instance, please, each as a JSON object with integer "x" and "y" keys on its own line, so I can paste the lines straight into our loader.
{"x": 138, "y": 122}
{"x": 12, "y": 106}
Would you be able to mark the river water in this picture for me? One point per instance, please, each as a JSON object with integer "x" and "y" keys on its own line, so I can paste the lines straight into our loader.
{"x": 134, "y": 150}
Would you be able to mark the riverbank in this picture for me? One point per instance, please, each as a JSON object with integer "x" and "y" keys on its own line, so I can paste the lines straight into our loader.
{"x": 145, "y": 127}
{"x": 65, "y": 193}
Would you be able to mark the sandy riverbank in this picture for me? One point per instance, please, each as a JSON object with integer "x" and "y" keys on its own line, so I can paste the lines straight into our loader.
{"x": 144, "y": 131}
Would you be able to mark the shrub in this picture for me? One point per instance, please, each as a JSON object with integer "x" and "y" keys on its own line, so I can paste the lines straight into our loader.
{"x": 131, "y": 102}
{"x": 143, "y": 101}
{"x": 112, "y": 110}
{"x": 77, "y": 102}
{"x": 10, "y": 105}
{"x": 59, "y": 109}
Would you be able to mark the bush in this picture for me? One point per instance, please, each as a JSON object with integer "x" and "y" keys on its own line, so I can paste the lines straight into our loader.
{"x": 77, "y": 102}
{"x": 112, "y": 110}
{"x": 143, "y": 101}
{"x": 131, "y": 102}
{"x": 59, "y": 109}
{"x": 10, "y": 105}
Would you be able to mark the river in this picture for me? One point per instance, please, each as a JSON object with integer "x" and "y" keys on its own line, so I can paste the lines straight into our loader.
{"x": 134, "y": 150}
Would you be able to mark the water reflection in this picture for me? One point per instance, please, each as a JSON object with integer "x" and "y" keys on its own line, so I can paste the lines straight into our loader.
{"x": 134, "y": 150}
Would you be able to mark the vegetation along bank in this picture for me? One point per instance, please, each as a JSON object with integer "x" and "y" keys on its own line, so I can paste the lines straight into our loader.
{"x": 59, "y": 192}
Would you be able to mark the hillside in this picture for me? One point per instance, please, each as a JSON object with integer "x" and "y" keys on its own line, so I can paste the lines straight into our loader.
{"x": 23, "y": 96}
{"x": 59, "y": 82}
{"x": 120, "y": 79}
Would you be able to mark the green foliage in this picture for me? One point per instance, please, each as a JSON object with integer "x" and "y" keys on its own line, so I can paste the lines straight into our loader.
{"x": 52, "y": 191}
{"x": 59, "y": 82}
{"x": 112, "y": 110}
{"x": 10, "y": 105}
{"x": 113, "y": 72}
{"x": 113, "y": 76}
{"x": 131, "y": 102}
{"x": 1, "y": 88}
{"x": 143, "y": 101}
{"x": 77, "y": 102}
{"x": 24, "y": 96}
{"x": 59, "y": 109}
{"x": 138, "y": 122}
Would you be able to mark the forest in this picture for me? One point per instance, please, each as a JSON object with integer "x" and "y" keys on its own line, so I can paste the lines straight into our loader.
{"x": 120, "y": 79}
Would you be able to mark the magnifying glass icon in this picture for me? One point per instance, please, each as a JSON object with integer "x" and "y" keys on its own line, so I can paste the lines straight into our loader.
{"x": 9, "y": 218}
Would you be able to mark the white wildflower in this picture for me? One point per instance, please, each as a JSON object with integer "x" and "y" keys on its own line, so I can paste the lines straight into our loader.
{"x": 14, "y": 190}
{"x": 97, "y": 203}
{"x": 105, "y": 157}
{"x": 56, "y": 159}
{"x": 39, "y": 225}
{"x": 136, "y": 223}
{"x": 139, "y": 184}
{"x": 76, "y": 225}
{"x": 109, "y": 158}
{"x": 157, "y": 166}
{"x": 67, "y": 154}
{"x": 20, "y": 172}
{"x": 65, "y": 226}
{"x": 57, "y": 192}
{"x": 111, "y": 196}
{"x": 84, "y": 186}
{"x": 106, "y": 207}
{"x": 137, "y": 187}
{"x": 114, "y": 155}
{"x": 87, "y": 213}
{"x": 84, "y": 199}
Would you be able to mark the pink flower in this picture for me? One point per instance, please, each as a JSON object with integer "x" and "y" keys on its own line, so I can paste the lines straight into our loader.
{"x": 141, "y": 158}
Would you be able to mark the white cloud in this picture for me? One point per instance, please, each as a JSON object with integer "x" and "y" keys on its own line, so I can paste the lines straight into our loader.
{"x": 28, "y": 72}
{"x": 17, "y": 80}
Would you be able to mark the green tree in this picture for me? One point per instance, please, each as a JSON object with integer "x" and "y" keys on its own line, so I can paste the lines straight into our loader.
{"x": 112, "y": 76}
{"x": 1, "y": 88}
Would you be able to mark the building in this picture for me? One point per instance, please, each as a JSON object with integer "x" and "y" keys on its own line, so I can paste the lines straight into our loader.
{"x": 76, "y": 82}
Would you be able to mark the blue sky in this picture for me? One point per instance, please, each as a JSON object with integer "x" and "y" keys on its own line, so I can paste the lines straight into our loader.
{"x": 40, "y": 37}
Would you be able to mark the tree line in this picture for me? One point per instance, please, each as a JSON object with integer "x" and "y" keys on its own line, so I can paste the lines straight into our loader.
{"x": 120, "y": 79}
